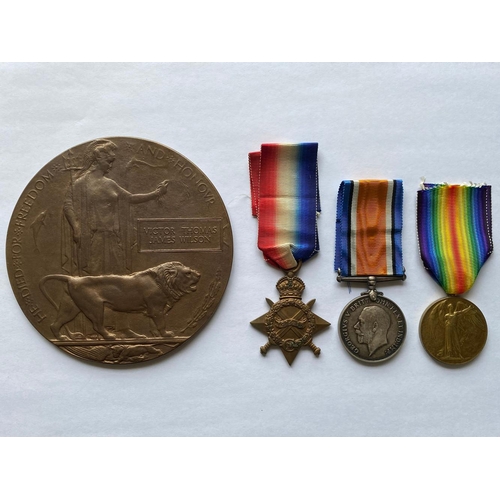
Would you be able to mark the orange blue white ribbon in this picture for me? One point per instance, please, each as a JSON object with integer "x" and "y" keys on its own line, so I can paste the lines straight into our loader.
{"x": 285, "y": 200}
{"x": 454, "y": 233}
{"x": 369, "y": 225}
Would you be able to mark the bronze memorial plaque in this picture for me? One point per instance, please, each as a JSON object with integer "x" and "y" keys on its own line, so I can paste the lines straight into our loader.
{"x": 119, "y": 250}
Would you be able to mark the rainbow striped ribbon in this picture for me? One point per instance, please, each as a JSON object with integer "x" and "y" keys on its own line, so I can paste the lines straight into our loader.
{"x": 454, "y": 233}
{"x": 369, "y": 224}
{"x": 285, "y": 199}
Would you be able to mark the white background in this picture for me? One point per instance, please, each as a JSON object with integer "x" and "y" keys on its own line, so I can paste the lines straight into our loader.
{"x": 262, "y": 30}
{"x": 440, "y": 121}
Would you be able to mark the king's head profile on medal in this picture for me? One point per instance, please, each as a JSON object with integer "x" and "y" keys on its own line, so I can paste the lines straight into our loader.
{"x": 285, "y": 200}
{"x": 372, "y": 327}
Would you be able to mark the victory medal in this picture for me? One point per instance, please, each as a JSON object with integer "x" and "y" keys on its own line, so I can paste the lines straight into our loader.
{"x": 454, "y": 234}
{"x": 285, "y": 199}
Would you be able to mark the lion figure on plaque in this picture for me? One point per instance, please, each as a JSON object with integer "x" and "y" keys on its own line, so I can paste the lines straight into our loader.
{"x": 152, "y": 292}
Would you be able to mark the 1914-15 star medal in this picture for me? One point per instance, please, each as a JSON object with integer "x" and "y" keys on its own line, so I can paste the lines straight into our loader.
{"x": 290, "y": 323}
{"x": 285, "y": 200}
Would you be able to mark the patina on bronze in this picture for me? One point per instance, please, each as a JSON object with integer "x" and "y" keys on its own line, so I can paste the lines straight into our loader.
{"x": 453, "y": 330}
{"x": 290, "y": 324}
{"x": 119, "y": 250}
{"x": 372, "y": 327}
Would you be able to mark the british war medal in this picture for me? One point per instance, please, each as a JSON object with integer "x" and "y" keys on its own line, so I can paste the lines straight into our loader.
{"x": 368, "y": 248}
{"x": 285, "y": 200}
{"x": 454, "y": 234}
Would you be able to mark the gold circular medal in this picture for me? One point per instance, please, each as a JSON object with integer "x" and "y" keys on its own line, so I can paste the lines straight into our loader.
{"x": 453, "y": 330}
{"x": 119, "y": 250}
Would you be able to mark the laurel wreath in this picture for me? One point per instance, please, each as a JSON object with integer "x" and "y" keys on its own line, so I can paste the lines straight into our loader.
{"x": 273, "y": 324}
{"x": 208, "y": 301}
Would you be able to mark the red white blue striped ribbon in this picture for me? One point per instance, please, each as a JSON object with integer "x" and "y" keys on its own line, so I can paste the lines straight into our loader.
{"x": 285, "y": 199}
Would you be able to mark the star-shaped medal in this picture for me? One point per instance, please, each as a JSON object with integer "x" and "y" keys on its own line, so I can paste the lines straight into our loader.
{"x": 290, "y": 324}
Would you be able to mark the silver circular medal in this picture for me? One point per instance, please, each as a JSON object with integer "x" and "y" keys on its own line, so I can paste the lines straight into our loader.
{"x": 372, "y": 330}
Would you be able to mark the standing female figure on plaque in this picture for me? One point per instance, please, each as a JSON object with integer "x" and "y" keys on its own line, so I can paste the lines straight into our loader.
{"x": 96, "y": 207}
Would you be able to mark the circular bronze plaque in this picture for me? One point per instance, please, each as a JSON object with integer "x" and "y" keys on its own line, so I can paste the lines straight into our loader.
{"x": 453, "y": 330}
{"x": 372, "y": 330}
{"x": 119, "y": 250}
